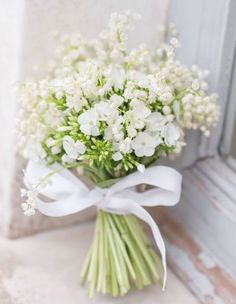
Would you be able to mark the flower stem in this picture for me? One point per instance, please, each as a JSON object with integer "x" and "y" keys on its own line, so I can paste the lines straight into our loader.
{"x": 120, "y": 257}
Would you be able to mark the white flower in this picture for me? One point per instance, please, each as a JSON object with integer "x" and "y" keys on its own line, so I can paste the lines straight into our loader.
{"x": 75, "y": 102}
{"x": 175, "y": 42}
{"x": 132, "y": 132}
{"x": 135, "y": 121}
{"x": 157, "y": 138}
{"x": 29, "y": 205}
{"x": 59, "y": 94}
{"x": 143, "y": 144}
{"x": 50, "y": 142}
{"x": 114, "y": 129}
{"x": 116, "y": 100}
{"x": 136, "y": 117}
{"x": 104, "y": 110}
{"x": 176, "y": 109}
{"x": 56, "y": 150}
{"x": 195, "y": 85}
{"x": 125, "y": 145}
{"x": 171, "y": 134}
{"x": 155, "y": 121}
{"x": 134, "y": 100}
{"x": 88, "y": 122}
{"x": 140, "y": 110}
{"x": 66, "y": 159}
{"x": 166, "y": 98}
{"x": 73, "y": 148}
{"x": 166, "y": 110}
{"x": 115, "y": 119}
{"x": 28, "y": 212}
{"x": 117, "y": 156}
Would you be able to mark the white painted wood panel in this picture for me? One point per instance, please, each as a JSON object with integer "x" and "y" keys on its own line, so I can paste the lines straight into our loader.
{"x": 11, "y": 18}
{"x": 194, "y": 264}
{"x": 207, "y": 33}
{"x": 228, "y": 139}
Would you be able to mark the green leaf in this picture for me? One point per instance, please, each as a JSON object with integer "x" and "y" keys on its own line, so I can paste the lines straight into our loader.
{"x": 108, "y": 183}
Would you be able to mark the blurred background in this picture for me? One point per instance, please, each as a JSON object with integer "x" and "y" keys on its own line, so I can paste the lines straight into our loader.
{"x": 199, "y": 232}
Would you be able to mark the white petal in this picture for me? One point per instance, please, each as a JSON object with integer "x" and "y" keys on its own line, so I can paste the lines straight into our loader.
{"x": 81, "y": 148}
{"x": 94, "y": 131}
{"x": 117, "y": 156}
{"x": 139, "y": 152}
{"x": 73, "y": 153}
{"x": 55, "y": 150}
{"x": 66, "y": 159}
{"x": 68, "y": 142}
{"x": 86, "y": 129}
{"x": 149, "y": 151}
{"x": 108, "y": 133}
{"x": 116, "y": 100}
{"x": 83, "y": 118}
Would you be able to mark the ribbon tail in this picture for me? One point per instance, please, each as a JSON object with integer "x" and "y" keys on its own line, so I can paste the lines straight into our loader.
{"x": 141, "y": 213}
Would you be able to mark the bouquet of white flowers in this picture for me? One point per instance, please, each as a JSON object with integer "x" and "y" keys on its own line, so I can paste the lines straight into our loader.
{"x": 110, "y": 113}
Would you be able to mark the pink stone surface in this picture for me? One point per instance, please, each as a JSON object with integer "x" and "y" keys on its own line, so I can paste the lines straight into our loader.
{"x": 44, "y": 269}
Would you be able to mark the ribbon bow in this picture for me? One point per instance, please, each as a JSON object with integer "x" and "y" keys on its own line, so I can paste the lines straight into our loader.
{"x": 70, "y": 195}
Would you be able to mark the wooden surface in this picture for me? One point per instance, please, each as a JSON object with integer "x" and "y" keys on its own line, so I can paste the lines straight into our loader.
{"x": 208, "y": 209}
{"x": 194, "y": 264}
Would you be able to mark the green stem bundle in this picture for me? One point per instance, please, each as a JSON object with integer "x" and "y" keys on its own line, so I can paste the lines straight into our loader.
{"x": 120, "y": 257}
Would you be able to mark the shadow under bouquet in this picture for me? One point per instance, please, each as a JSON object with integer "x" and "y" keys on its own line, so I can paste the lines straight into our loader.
{"x": 109, "y": 113}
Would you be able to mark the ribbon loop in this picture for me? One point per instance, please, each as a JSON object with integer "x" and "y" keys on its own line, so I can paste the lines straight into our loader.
{"x": 71, "y": 195}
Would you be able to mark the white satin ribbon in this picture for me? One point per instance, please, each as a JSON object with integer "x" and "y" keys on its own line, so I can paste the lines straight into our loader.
{"x": 71, "y": 195}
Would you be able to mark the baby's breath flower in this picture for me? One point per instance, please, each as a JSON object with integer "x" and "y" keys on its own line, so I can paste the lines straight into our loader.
{"x": 28, "y": 206}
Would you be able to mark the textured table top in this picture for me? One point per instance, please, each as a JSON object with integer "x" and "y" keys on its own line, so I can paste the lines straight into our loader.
{"x": 44, "y": 269}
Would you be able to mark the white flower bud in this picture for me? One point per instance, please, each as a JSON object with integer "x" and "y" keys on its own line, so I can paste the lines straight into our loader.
{"x": 141, "y": 168}
{"x": 166, "y": 110}
{"x": 195, "y": 85}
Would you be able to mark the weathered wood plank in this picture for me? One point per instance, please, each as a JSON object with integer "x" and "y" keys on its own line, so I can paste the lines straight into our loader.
{"x": 208, "y": 209}
{"x": 221, "y": 174}
{"x": 209, "y": 214}
{"x": 231, "y": 162}
{"x": 193, "y": 263}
